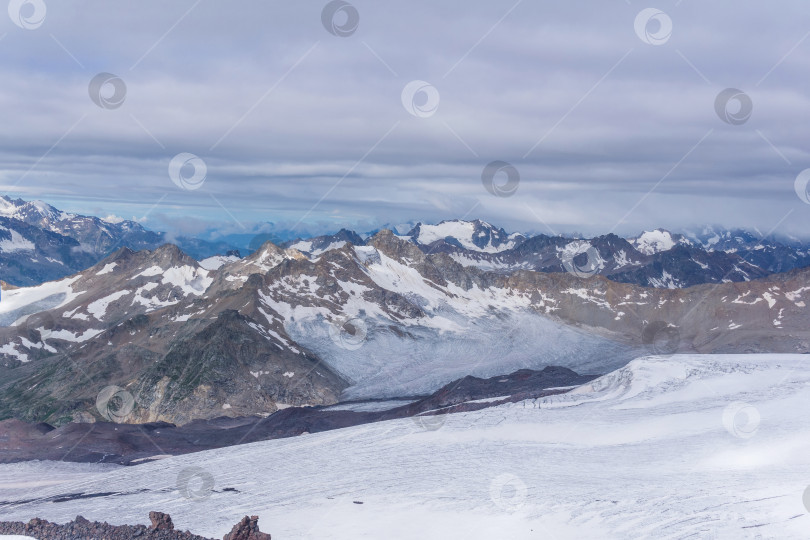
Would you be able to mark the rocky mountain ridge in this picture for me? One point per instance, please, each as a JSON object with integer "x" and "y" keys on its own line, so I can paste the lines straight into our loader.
{"x": 176, "y": 341}
{"x": 40, "y": 243}
{"x": 657, "y": 258}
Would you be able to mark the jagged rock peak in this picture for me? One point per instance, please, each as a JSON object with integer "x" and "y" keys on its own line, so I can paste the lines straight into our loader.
{"x": 395, "y": 246}
{"x": 247, "y": 529}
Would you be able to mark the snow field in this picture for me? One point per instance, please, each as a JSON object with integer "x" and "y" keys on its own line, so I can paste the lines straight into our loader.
{"x": 658, "y": 449}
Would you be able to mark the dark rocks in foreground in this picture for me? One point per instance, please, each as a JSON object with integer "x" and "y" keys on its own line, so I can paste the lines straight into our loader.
{"x": 162, "y": 528}
{"x": 247, "y": 529}
{"x": 161, "y": 521}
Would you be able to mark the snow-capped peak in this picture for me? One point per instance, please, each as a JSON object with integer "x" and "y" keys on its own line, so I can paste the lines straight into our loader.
{"x": 7, "y": 206}
{"x": 28, "y": 210}
{"x": 471, "y": 235}
{"x": 656, "y": 241}
{"x": 113, "y": 219}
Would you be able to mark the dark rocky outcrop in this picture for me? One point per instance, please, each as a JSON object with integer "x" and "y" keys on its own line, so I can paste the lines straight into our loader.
{"x": 161, "y": 521}
{"x": 247, "y": 529}
{"x": 225, "y": 359}
{"x": 161, "y": 529}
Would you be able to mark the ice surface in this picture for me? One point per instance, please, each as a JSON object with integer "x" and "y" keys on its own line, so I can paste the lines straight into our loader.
{"x": 689, "y": 446}
{"x": 17, "y": 303}
{"x": 392, "y": 364}
{"x": 458, "y": 332}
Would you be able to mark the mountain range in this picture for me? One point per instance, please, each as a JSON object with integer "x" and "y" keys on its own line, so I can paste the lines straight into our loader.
{"x": 179, "y": 339}
{"x": 40, "y": 243}
{"x": 655, "y": 258}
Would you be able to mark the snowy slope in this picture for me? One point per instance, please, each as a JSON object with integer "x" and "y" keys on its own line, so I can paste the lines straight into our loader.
{"x": 476, "y": 236}
{"x": 684, "y": 447}
{"x": 94, "y": 298}
{"x": 217, "y": 261}
{"x": 391, "y": 363}
{"x": 15, "y": 242}
{"x": 652, "y": 242}
{"x": 27, "y": 210}
{"x": 17, "y": 303}
{"x": 454, "y": 331}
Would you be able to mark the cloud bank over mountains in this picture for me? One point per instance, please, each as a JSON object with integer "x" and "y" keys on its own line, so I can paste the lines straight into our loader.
{"x": 611, "y": 126}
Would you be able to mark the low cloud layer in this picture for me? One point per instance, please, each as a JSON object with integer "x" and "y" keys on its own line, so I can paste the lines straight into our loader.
{"x": 611, "y": 125}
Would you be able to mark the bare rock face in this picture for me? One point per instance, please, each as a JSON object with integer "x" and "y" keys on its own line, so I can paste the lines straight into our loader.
{"x": 162, "y": 529}
{"x": 161, "y": 521}
{"x": 228, "y": 359}
{"x": 247, "y": 529}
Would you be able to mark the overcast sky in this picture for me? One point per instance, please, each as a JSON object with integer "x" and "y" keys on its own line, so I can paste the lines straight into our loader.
{"x": 300, "y": 118}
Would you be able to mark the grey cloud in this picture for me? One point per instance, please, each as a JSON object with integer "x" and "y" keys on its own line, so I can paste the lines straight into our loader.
{"x": 534, "y": 76}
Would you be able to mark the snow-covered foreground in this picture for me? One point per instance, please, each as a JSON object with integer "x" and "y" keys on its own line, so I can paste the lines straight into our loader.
{"x": 680, "y": 447}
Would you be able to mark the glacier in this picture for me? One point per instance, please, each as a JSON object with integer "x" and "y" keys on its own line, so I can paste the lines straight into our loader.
{"x": 688, "y": 446}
